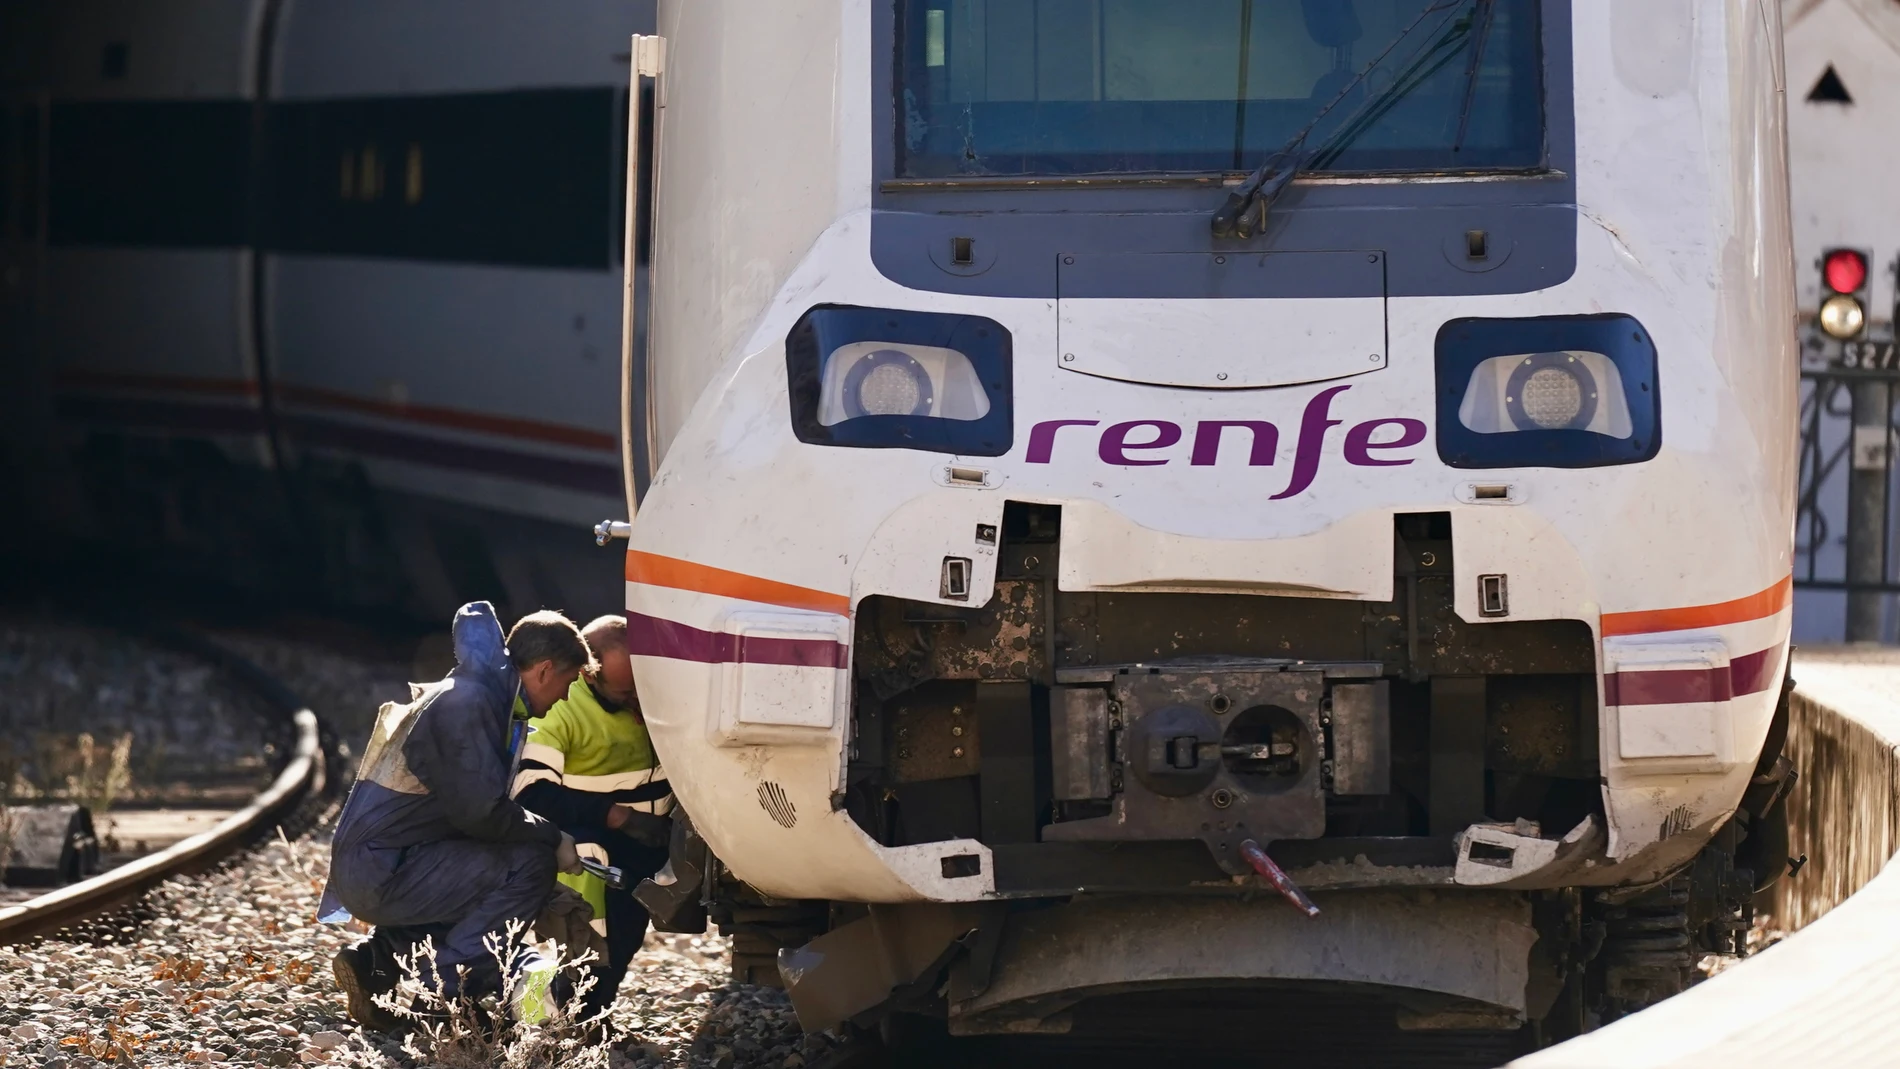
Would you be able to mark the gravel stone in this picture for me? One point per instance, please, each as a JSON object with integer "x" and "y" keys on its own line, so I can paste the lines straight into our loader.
{"x": 327, "y": 1040}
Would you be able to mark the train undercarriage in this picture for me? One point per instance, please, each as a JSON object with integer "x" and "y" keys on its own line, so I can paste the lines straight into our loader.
{"x": 1432, "y": 784}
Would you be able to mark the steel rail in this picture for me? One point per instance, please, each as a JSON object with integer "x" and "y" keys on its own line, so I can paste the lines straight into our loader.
{"x": 302, "y": 777}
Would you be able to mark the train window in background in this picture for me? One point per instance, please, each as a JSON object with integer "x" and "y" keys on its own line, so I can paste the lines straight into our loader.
{"x": 519, "y": 177}
{"x": 149, "y": 172}
{"x": 412, "y": 176}
{"x": 1010, "y": 87}
{"x": 12, "y": 170}
{"x": 27, "y": 196}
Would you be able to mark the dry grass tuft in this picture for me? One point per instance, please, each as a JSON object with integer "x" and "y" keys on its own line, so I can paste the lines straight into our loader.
{"x": 463, "y": 1033}
{"x": 75, "y": 768}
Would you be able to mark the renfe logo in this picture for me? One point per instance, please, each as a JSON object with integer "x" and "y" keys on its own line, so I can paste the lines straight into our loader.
{"x": 1121, "y": 439}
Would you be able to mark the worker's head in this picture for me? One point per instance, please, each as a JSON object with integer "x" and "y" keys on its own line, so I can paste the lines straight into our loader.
{"x": 613, "y": 679}
{"x": 548, "y": 653}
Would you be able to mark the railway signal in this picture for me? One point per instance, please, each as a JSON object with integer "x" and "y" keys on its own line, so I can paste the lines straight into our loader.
{"x": 1843, "y": 314}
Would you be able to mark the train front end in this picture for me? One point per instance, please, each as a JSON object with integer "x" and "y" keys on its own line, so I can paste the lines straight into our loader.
{"x": 1132, "y": 465}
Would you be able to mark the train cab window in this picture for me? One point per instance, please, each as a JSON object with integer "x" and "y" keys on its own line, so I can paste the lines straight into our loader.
{"x": 1065, "y": 87}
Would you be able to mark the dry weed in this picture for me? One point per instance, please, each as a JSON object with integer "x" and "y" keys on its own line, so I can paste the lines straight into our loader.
{"x": 78, "y": 768}
{"x": 478, "y": 1033}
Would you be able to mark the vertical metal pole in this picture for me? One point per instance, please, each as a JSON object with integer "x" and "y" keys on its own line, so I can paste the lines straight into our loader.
{"x": 1867, "y": 510}
{"x": 627, "y": 297}
{"x": 647, "y": 60}
{"x": 1823, "y": 395}
{"x": 655, "y": 67}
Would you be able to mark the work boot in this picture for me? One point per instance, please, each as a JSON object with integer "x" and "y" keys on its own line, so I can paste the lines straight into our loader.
{"x": 359, "y": 980}
{"x": 539, "y": 992}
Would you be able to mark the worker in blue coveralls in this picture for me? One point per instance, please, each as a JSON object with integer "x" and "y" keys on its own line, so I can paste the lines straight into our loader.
{"x": 430, "y": 842}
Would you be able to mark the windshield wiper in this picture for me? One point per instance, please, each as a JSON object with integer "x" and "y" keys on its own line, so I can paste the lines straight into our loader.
{"x": 1245, "y": 212}
{"x": 1486, "y": 9}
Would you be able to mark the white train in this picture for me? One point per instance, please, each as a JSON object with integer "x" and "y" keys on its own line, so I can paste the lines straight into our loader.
{"x": 324, "y": 290}
{"x": 1028, "y": 545}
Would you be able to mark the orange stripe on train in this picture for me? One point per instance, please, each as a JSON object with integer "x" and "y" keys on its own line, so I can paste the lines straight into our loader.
{"x": 655, "y": 570}
{"x": 1741, "y": 610}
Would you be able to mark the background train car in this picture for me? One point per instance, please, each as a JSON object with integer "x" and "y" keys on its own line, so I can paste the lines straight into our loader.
{"x": 1843, "y": 61}
{"x": 322, "y": 290}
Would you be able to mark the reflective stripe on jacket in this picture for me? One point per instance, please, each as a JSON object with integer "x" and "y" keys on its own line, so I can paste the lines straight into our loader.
{"x": 582, "y": 747}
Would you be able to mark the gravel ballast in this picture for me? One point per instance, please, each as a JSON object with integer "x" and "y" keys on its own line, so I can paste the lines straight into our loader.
{"x": 236, "y": 969}
{"x": 231, "y": 966}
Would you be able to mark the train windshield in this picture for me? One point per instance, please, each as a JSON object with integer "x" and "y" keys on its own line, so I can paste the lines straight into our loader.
{"x": 1091, "y": 87}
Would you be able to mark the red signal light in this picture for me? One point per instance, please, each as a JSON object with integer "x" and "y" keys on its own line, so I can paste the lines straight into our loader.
{"x": 1845, "y": 271}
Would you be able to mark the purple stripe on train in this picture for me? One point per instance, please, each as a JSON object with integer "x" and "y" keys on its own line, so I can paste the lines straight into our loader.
{"x": 651, "y": 636}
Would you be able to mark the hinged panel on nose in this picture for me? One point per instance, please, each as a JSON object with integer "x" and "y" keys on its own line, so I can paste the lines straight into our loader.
{"x": 1222, "y": 320}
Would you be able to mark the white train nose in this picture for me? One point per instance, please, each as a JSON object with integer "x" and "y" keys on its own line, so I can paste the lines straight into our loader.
{"x": 1284, "y": 318}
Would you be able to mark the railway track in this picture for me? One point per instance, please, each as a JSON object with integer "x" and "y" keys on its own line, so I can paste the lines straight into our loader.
{"x": 299, "y": 787}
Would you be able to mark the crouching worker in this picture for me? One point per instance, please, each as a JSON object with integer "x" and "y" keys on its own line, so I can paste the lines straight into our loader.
{"x": 430, "y": 842}
{"x": 589, "y": 766}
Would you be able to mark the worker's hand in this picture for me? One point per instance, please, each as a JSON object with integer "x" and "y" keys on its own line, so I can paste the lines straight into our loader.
{"x": 566, "y": 858}
{"x": 643, "y": 828}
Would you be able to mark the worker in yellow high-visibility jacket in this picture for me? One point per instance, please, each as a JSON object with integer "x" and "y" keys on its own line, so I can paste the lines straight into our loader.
{"x": 589, "y": 766}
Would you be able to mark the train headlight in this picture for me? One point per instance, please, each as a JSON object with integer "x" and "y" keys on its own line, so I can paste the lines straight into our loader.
{"x": 880, "y": 378}
{"x": 1842, "y": 316}
{"x": 1551, "y": 396}
{"x": 886, "y": 382}
{"x": 1559, "y": 391}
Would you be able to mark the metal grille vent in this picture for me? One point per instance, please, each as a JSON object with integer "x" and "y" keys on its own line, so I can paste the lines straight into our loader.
{"x": 777, "y": 804}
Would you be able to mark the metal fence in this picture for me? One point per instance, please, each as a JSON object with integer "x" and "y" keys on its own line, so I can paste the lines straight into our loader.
{"x": 1844, "y": 528}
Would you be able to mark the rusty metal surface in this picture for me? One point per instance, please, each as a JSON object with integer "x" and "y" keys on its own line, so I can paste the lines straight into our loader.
{"x": 1233, "y": 803}
{"x": 1002, "y": 640}
{"x": 1415, "y": 635}
{"x": 932, "y": 739}
{"x": 1078, "y": 744}
{"x": 1544, "y": 725}
{"x": 900, "y": 644}
{"x": 1362, "y": 738}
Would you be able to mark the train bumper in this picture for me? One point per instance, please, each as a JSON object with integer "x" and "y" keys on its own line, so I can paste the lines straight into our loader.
{"x": 1456, "y": 958}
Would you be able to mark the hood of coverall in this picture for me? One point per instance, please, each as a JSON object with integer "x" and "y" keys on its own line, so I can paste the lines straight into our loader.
{"x": 481, "y": 651}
